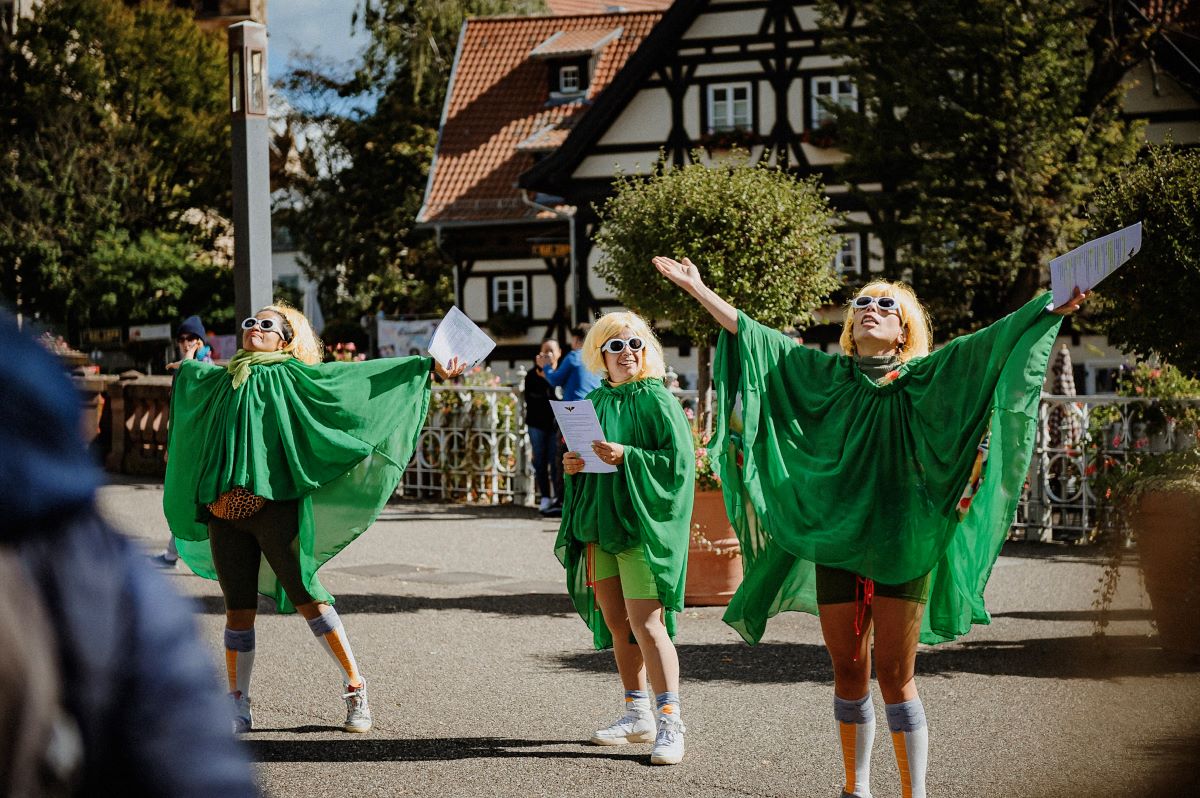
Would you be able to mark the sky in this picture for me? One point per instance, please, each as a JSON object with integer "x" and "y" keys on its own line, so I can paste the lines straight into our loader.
{"x": 295, "y": 27}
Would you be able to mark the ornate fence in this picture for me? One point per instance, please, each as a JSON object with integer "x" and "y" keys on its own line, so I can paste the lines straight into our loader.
{"x": 1078, "y": 437}
{"x": 473, "y": 448}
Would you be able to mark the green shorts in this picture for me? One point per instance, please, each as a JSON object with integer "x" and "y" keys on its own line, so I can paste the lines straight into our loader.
{"x": 637, "y": 582}
{"x": 835, "y": 586}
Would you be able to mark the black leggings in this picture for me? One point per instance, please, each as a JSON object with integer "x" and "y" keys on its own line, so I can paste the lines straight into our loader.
{"x": 239, "y": 546}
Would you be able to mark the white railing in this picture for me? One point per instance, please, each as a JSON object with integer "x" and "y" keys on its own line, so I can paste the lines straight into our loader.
{"x": 473, "y": 448}
{"x": 1078, "y": 438}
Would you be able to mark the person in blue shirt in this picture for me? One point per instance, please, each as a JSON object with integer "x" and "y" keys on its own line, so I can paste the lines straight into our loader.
{"x": 576, "y": 382}
{"x": 571, "y": 375}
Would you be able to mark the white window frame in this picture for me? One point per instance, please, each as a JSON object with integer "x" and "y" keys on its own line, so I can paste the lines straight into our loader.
{"x": 510, "y": 294}
{"x": 722, "y": 113}
{"x": 849, "y": 250}
{"x": 575, "y": 84}
{"x": 840, "y": 89}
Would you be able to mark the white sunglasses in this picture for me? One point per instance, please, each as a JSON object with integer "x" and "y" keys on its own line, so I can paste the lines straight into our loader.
{"x": 617, "y": 345}
{"x": 266, "y": 325}
{"x": 881, "y": 302}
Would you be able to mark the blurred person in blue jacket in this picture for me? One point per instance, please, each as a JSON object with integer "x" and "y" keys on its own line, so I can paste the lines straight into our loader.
{"x": 142, "y": 705}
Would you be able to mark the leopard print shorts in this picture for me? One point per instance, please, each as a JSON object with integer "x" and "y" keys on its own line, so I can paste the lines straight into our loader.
{"x": 236, "y": 504}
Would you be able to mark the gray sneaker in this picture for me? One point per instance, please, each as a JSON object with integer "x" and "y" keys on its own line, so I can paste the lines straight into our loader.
{"x": 358, "y": 713}
{"x": 668, "y": 743}
{"x": 635, "y": 726}
{"x": 243, "y": 718}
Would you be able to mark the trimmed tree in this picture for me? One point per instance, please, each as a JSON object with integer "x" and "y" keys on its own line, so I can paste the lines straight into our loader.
{"x": 763, "y": 239}
{"x": 1143, "y": 306}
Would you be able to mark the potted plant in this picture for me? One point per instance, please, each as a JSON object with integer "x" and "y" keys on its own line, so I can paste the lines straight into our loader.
{"x": 1156, "y": 495}
{"x": 1156, "y": 499}
{"x": 714, "y": 557}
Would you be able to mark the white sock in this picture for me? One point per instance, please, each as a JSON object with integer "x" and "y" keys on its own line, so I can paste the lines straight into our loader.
{"x": 328, "y": 629}
{"x": 856, "y": 733}
{"x": 239, "y": 659}
{"x": 910, "y": 738}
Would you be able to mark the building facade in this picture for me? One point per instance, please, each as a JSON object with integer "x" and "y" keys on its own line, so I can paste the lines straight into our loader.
{"x": 543, "y": 112}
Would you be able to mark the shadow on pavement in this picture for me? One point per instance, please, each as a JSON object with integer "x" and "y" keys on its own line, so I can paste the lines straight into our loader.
{"x": 1043, "y": 658}
{"x": 1058, "y": 552}
{"x": 515, "y": 605}
{"x": 423, "y": 750}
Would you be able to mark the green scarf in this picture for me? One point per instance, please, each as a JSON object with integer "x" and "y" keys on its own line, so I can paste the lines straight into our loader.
{"x": 648, "y": 500}
{"x": 239, "y": 365}
{"x": 831, "y": 468}
{"x": 335, "y": 437}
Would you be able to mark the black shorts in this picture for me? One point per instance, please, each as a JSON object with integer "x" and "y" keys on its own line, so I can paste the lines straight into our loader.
{"x": 835, "y": 586}
{"x": 239, "y": 546}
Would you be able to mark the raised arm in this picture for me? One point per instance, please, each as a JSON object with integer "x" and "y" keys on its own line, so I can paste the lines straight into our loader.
{"x": 685, "y": 275}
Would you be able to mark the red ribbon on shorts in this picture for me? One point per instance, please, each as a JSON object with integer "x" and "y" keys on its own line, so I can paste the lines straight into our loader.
{"x": 860, "y": 606}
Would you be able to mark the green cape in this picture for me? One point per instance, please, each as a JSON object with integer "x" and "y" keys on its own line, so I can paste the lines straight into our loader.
{"x": 840, "y": 471}
{"x": 648, "y": 500}
{"x": 335, "y": 436}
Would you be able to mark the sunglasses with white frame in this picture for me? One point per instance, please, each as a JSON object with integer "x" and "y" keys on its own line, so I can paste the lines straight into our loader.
{"x": 616, "y": 346}
{"x": 266, "y": 325}
{"x": 882, "y": 302}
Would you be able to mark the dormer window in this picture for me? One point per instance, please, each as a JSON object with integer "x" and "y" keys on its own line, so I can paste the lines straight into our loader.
{"x": 571, "y": 57}
{"x": 569, "y": 79}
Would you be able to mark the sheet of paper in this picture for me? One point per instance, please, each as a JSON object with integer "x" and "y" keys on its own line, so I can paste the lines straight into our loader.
{"x": 1087, "y": 265}
{"x": 580, "y": 426}
{"x": 458, "y": 336}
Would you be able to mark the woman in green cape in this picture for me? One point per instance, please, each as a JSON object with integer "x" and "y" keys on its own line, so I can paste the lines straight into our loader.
{"x": 275, "y": 464}
{"x": 624, "y": 535}
{"x": 844, "y": 484}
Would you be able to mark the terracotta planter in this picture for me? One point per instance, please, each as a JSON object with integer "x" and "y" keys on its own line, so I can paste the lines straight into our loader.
{"x": 1167, "y": 525}
{"x": 714, "y": 560}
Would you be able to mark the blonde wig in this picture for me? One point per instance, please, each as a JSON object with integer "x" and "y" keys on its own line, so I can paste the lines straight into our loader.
{"x": 918, "y": 335}
{"x": 305, "y": 346}
{"x": 609, "y": 326}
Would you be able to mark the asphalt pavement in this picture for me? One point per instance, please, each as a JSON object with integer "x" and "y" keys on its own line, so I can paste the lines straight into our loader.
{"x": 483, "y": 682}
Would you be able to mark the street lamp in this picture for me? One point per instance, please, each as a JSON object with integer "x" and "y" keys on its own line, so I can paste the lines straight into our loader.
{"x": 251, "y": 167}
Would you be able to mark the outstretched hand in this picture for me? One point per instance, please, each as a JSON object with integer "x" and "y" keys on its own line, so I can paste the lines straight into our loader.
{"x": 451, "y": 370}
{"x": 683, "y": 273}
{"x": 1073, "y": 304}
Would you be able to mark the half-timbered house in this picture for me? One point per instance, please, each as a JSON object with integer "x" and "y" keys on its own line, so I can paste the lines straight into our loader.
{"x": 691, "y": 81}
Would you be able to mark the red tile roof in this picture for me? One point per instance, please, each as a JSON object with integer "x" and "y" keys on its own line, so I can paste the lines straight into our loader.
{"x": 572, "y": 7}
{"x": 498, "y": 101}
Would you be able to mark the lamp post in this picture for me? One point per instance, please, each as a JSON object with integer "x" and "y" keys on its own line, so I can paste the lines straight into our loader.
{"x": 251, "y": 168}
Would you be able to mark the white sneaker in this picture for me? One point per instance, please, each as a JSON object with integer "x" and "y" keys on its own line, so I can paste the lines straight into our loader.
{"x": 243, "y": 718}
{"x": 668, "y": 743}
{"x": 635, "y": 726}
{"x": 358, "y": 713}
{"x": 545, "y": 503}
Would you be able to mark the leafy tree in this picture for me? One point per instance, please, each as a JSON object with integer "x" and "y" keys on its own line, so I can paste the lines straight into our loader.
{"x": 354, "y": 211}
{"x": 113, "y": 125}
{"x": 159, "y": 275}
{"x": 989, "y": 123}
{"x": 1143, "y": 305}
{"x": 763, "y": 240}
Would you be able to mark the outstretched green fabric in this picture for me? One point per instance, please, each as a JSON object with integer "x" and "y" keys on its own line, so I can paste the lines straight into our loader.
{"x": 335, "y": 436}
{"x": 648, "y": 500}
{"x": 840, "y": 471}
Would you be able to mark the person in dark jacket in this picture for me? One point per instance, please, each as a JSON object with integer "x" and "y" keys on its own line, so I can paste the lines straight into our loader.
{"x": 543, "y": 430}
{"x": 137, "y": 684}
